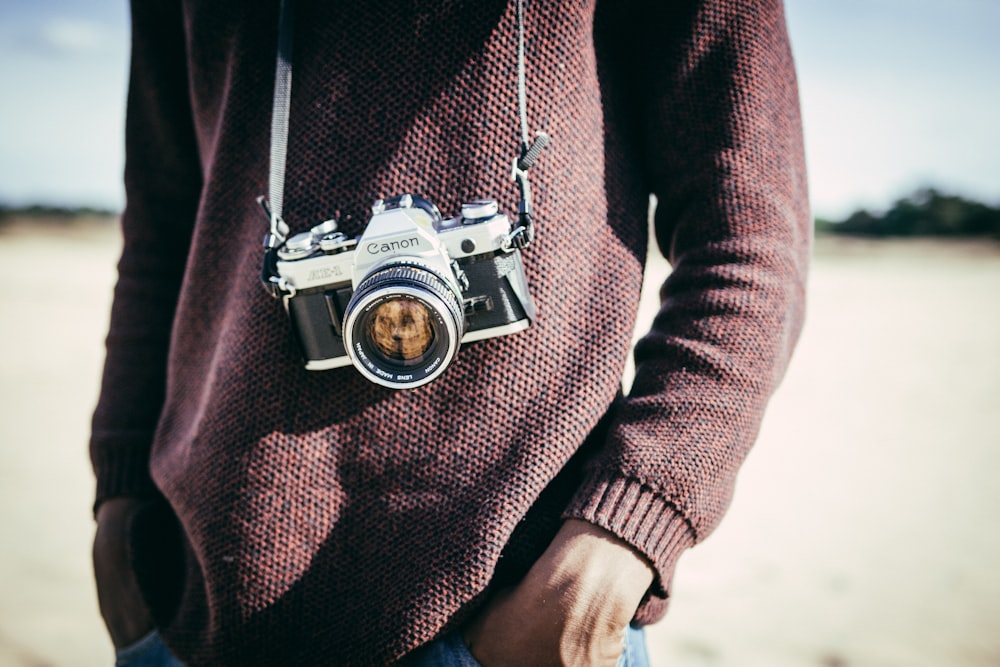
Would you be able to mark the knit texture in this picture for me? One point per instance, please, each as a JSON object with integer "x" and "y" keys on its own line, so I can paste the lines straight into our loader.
{"x": 317, "y": 518}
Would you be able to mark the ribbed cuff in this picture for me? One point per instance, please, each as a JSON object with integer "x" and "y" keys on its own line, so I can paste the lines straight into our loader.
{"x": 122, "y": 469}
{"x": 640, "y": 516}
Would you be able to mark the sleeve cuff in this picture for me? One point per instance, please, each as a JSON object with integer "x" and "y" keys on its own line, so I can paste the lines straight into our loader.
{"x": 640, "y": 516}
{"x": 122, "y": 469}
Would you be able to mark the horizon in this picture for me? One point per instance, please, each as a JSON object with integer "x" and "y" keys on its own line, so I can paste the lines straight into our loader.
{"x": 50, "y": 210}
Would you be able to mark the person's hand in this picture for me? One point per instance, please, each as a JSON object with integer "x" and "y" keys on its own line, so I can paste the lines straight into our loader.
{"x": 118, "y": 595}
{"x": 572, "y": 608}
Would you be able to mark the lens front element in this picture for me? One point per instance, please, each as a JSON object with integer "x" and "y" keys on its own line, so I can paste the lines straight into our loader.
{"x": 403, "y": 325}
{"x": 401, "y": 329}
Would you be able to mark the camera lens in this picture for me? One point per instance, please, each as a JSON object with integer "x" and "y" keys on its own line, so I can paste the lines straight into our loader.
{"x": 403, "y": 325}
{"x": 401, "y": 329}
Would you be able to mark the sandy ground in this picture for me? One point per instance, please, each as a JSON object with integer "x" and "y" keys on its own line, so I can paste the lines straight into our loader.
{"x": 864, "y": 528}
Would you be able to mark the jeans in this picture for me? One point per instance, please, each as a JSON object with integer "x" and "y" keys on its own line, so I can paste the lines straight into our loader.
{"x": 150, "y": 651}
{"x": 451, "y": 651}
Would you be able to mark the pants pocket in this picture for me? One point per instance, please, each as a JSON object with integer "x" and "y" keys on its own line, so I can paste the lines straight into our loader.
{"x": 634, "y": 649}
{"x": 449, "y": 651}
{"x": 150, "y": 651}
{"x": 460, "y": 652}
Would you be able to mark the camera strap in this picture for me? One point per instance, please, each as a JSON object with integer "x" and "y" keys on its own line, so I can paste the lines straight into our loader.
{"x": 523, "y": 232}
{"x": 520, "y": 235}
{"x": 274, "y": 204}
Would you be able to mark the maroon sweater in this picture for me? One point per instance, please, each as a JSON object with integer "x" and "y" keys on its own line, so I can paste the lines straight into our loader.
{"x": 302, "y": 517}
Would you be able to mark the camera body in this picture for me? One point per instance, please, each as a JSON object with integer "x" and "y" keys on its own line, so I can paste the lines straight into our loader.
{"x": 398, "y": 301}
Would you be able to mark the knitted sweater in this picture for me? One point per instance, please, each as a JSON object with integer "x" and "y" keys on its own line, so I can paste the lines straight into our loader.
{"x": 315, "y": 517}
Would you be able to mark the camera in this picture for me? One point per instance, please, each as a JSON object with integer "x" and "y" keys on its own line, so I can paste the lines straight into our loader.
{"x": 399, "y": 300}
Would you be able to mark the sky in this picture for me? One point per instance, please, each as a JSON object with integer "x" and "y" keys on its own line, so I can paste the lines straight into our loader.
{"x": 896, "y": 95}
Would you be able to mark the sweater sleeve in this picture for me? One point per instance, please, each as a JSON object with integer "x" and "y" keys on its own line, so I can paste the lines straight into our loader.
{"x": 162, "y": 184}
{"x": 712, "y": 99}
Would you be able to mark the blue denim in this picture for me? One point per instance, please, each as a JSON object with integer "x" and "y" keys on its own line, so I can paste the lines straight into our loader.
{"x": 451, "y": 651}
{"x": 634, "y": 654}
{"x": 150, "y": 651}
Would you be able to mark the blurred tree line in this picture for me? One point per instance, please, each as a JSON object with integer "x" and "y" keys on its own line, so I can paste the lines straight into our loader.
{"x": 53, "y": 212}
{"x": 927, "y": 212}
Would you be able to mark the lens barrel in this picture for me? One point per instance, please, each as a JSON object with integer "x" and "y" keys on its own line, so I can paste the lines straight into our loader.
{"x": 403, "y": 325}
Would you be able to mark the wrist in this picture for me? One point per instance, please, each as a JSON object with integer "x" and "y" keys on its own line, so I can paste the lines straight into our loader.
{"x": 119, "y": 597}
{"x": 572, "y": 607}
{"x": 595, "y": 566}
{"x": 117, "y": 509}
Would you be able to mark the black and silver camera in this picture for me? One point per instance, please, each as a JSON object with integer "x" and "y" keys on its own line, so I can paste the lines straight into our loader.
{"x": 398, "y": 301}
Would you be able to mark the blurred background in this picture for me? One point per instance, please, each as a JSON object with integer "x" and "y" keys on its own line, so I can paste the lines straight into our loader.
{"x": 864, "y": 529}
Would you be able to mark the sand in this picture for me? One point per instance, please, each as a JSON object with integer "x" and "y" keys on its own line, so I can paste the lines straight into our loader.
{"x": 863, "y": 531}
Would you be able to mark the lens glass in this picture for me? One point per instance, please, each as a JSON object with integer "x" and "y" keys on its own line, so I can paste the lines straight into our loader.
{"x": 401, "y": 329}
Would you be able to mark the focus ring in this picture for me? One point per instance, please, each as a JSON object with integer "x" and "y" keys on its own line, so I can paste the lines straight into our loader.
{"x": 410, "y": 275}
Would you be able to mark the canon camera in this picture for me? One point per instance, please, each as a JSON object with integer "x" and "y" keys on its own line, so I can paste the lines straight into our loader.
{"x": 398, "y": 301}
